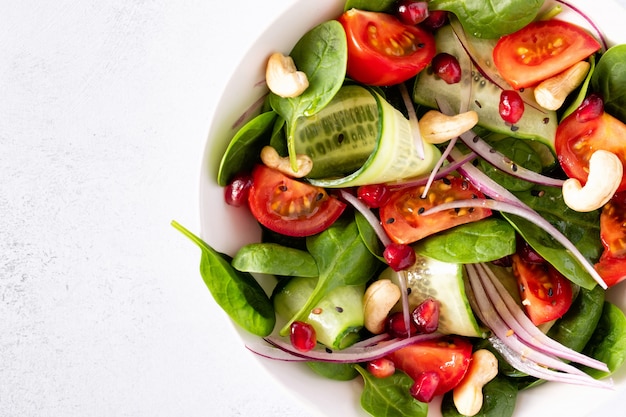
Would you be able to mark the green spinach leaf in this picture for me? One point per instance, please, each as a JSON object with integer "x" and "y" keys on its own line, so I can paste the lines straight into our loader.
{"x": 237, "y": 293}
{"x": 609, "y": 79}
{"x": 245, "y": 146}
{"x": 322, "y": 54}
{"x": 608, "y": 343}
{"x": 475, "y": 242}
{"x": 390, "y": 397}
{"x": 275, "y": 259}
{"x": 490, "y": 18}
{"x": 499, "y": 398}
{"x": 336, "y": 371}
{"x": 342, "y": 259}
{"x": 371, "y": 5}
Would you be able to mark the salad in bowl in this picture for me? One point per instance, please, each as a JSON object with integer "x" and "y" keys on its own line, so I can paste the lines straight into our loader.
{"x": 418, "y": 207}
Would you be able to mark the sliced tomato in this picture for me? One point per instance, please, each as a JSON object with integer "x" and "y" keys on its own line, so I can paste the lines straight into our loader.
{"x": 546, "y": 294}
{"x": 577, "y": 139}
{"x": 382, "y": 50}
{"x": 401, "y": 215}
{"x": 612, "y": 263}
{"x": 541, "y": 50}
{"x": 611, "y": 269}
{"x": 291, "y": 207}
{"x": 448, "y": 357}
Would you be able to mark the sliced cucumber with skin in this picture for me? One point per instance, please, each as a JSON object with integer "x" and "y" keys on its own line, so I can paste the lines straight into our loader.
{"x": 445, "y": 282}
{"x": 475, "y": 92}
{"x": 337, "y": 318}
{"x": 359, "y": 138}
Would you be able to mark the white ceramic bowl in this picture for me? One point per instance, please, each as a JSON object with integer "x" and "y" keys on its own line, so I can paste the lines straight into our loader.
{"x": 227, "y": 229}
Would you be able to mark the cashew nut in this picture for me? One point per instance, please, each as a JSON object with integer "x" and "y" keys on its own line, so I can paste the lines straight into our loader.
{"x": 272, "y": 159}
{"x": 605, "y": 176}
{"x": 552, "y": 92}
{"x": 436, "y": 127}
{"x": 378, "y": 300}
{"x": 468, "y": 395}
{"x": 283, "y": 78}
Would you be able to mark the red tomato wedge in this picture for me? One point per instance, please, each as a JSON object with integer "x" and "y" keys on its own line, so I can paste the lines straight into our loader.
{"x": 611, "y": 269}
{"x": 448, "y": 357}
{"x": 541, "y": 50}
{"x": 576, "y": 141}
{"x": 612, "y": 263}
{"x": 291, "y": 207}
{"x": 546, "y": 294}
{"x": 401, "y": 215}
{"x": 382, "y": 50}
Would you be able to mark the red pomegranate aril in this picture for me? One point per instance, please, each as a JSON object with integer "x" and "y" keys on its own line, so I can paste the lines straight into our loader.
{"x": 424, "y": 387}
{"x": 447, "y": 67}
{"x": 374, "y": 195}
{"x": 399, "y": 256}
{"x": 435, "y": 19}
{"x": 412, "y": 12}
{"x": 592, "y": 107}
{"x": 511, "y": 106}
{"x": 381, "y": 367}
{"x": 302, "y": 336}
{"x": 395, "y": 325}
{"x": 527, "y": 253}
{"x": 426, "y": 316}
{"x": 236, "y": 192}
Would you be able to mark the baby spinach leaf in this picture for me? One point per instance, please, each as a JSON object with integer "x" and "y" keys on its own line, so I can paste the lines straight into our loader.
{"x": 369, "y": 236}
{"x": 475, "y": 242}
{"x": 237, "y": 293}
{"x": 499, "y": 398}
{"x": 609, "y": 79}
{"x": 275, "y": 259}
{"x": 336, "y": 371}
{"x": 371, "y": 5}
{"x": 322, "y": 54}
{"x": 575, "y": 328}
{"x": 582, "y": 229}
{"x": 342, "y": 259}
{"x": 608, "y": 343}
{"x": 245, "y": 146}
{"x": 390, "y": 397}
{"x": 490, "y": 18}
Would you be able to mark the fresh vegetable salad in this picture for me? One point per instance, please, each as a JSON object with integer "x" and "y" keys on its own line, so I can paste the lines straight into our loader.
{"x": 441, "y": 192}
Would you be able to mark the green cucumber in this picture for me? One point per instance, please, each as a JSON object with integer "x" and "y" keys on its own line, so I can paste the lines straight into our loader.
{"x": 359, "y": 138}
{"x": 445, "y": 282}
{"x": 478, "y": 93}
{"x": 337, "y": 318}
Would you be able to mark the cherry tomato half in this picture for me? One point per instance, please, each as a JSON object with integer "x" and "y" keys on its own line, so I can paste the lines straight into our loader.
{"x": 612, "y": 263}
{"x": 401, "y": 215}
{"x": 541, "y": 50}
{"x": 546, "y": 294}
{"x": 577, "y": 140}
{"x": 382, "y": 50}
{"x": 448, "y": 357}
{"x": 290, "y": 207}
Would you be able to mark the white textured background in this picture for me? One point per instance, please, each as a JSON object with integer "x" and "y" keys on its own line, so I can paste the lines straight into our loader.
{"x": 104, "y": 109}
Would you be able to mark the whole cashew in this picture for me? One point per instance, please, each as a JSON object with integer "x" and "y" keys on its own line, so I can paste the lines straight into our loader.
{"x": 272, "y": 159}
{"x": 605, "y": 175}
{"x": 283, "y": 78}
{"x": 468, "y": 395}
{"x": 378, "y": 300}
{"x": 551, "y": 93}
{"x": 436, "y": 127}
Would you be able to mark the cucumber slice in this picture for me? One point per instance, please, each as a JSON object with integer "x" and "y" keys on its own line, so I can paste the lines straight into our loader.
{"x": 478, "y": 93}
{"x": 359, "y": 138}
{"x": 338, "y": 317}
{"x": 446, "y": 283}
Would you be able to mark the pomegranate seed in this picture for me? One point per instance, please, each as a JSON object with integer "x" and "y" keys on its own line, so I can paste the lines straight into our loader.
{"x": 399, "y": 256}
{"x": 527, "y": 253}
{"x": 435, "y": 19}
{"x": 381, "y": 367}
{"x": 411, "y": 12}
{"x": 302, "y": 336}
{"x": 447, "y": 67}
{"x": 236, "y": 192}
{"x": 424, "y": 387}
{"x": 395, "y": 326}
{"x": 591, "y": 108}
{"x": 511, "y": 106}
{"x": 374, "y": 195}
{"x": 426, "y": 316}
